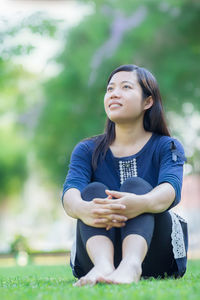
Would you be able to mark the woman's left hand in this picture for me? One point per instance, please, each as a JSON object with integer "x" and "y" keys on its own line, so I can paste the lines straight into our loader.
{"x": 135, "y": 204}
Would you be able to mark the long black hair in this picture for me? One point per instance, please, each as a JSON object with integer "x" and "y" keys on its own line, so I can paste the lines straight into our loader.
{"x": 154, "y": 118}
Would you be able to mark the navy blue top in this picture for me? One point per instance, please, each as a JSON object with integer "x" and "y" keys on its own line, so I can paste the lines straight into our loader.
{"x": 160, "y": 160}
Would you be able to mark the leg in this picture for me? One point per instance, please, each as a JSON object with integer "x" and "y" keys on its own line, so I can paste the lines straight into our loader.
{"x": 101, "y": 257}
{"x": 136, "y": 237}
{"x": 156, "y": 230}
{"x": 91, "y": 259}
{"x": 134, "y": 249}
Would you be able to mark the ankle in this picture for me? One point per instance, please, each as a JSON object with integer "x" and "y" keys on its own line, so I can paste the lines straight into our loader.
{"x": 132, "y": 264}
{"x": 133, "y": 260}
{"x": 104, "y": 265}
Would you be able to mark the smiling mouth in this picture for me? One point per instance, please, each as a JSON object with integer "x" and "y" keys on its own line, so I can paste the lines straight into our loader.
{"x": 115, "y": 105}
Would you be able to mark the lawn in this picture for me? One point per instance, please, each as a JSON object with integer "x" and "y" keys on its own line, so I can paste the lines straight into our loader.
{"x": 55, "y": 282}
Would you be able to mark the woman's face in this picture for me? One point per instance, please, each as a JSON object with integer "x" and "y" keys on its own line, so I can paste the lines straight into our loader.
{"x": 123, "y": 100}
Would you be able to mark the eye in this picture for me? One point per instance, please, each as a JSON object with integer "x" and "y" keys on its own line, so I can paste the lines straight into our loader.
{"x": 127, "y": 86}
{"x": 109, "y": 89}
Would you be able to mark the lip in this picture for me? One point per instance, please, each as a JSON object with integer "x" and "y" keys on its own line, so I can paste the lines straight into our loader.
{"x": 114, "y": 102}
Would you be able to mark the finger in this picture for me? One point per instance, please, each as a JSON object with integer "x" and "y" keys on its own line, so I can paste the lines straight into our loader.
{"x": 108, "y": 227}
{"x": 101, "y": 221}
{"x": 118, "y": 224}
{"x": 101, "y": 211}
{"x": 111, "y": 203}
{"x": 109, "y": 209}
{"x": 115, "y": 194}
{"x": 112, "y": 223}
{"x": 102, "y": 201}
{"x": 115, "y": 206}
{"x": 117, "y": 218}
{"x": 109, "y": 222}
{"x": 113, "y": 218}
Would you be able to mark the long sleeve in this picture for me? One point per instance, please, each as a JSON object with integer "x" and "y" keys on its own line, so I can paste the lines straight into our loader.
{"x": 80, "y": 168}
{"x": 172, "y": 158}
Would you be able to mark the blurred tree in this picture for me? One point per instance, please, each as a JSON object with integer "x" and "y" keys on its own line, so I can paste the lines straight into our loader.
{"x": 20, "y": 243}
{"x": 16, "y": 104}
{"x": 159, "y": 35}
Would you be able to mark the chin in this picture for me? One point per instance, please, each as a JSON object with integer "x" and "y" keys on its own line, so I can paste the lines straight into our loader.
{"x": 118, "y": 120}
{"x": 115, "y": 117}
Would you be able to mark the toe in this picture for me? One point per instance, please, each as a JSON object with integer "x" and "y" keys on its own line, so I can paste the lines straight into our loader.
{"x": 101, "y": 279}
{"x": 107, "y": 280}
{"x": 80, "y": 282}
{"x": 77, "y": 283}
{"x": 91, "y": 282}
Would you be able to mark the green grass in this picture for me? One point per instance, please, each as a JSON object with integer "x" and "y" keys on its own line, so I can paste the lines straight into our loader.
{"x": 55, "y": 282}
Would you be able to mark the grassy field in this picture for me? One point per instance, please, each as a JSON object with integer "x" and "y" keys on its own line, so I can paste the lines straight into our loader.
{"x": 55, "y": 282}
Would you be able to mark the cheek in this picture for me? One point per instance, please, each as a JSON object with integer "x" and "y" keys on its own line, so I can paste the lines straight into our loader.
{"x": 106, "y": 103}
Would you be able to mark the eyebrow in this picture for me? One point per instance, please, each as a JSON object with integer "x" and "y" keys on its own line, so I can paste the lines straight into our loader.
{"x": 121, "y": 82}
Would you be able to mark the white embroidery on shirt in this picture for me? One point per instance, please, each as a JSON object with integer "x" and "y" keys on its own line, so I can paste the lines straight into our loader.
{"x": 177, "y": 236}
{"x": 127, "y": 169}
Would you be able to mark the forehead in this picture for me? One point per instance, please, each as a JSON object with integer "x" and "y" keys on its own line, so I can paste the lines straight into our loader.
{"x": 124, "y": 76}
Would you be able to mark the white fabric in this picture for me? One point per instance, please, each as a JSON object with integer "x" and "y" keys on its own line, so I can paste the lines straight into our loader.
{"x": 73, "y": 251}
{"x": 177, "y": 236}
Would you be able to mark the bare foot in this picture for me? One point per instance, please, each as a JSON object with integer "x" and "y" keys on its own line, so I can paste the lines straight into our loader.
{"x": 91, "y": 278}
{"x": 124, "y": 274}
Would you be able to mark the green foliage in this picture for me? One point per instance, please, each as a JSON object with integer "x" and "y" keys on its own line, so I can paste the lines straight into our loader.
{"x": 19, "y": 243}
{"x": 66, "y": 117}
{"x": 55, "y": 282}
{"x": 16, "y": 88}
{"x": 13, "y": 168}
{"x": 166, "y": 42}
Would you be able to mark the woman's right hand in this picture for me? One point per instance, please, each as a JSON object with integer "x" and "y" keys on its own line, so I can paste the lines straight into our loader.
{"x": 101, "y": 215}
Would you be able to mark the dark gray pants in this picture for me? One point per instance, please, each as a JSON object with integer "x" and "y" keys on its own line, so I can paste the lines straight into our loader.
{"x": 155, "y": 228}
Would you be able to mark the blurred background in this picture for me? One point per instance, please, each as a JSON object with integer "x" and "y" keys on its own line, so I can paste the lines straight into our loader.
{"x": 55, "y": 58}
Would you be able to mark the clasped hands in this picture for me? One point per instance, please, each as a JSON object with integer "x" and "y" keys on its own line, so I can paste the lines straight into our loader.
{"x": 114, "y": 210}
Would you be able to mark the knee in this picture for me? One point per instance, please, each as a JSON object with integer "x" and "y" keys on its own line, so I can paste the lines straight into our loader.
{"x": 94, "y": 190}
{"x": 136, "y": 185}
{"x": 142, "y": 225}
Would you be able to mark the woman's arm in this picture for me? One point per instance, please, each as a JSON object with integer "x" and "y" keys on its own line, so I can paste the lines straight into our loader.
{"x": 160, "y": 198}
{"x": 157, "y": 200}
{"x": 72, "y": 203}
{"x": 88, "y": 211}
{"x": 78, "y": 177}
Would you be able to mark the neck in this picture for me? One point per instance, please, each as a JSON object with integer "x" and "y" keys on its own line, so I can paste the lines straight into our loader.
{"x": 129, "y": 134}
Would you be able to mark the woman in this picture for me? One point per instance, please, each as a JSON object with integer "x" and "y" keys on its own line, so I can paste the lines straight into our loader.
{"x": 121, "y": 185}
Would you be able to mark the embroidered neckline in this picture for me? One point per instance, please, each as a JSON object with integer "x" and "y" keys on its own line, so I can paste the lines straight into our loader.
{"x": 127, "y": 169}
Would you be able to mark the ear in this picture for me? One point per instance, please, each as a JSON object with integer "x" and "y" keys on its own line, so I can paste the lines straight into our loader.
{"x": 148, "y": 102}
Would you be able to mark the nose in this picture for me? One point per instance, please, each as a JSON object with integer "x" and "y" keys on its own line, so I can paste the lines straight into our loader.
{"x": 115, "y": 93}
